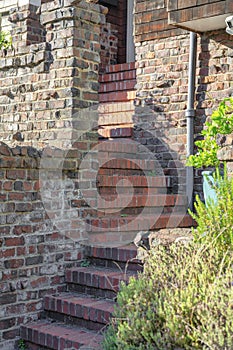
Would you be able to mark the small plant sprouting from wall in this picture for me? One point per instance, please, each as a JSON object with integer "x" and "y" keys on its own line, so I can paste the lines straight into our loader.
{"x": 21, "y": 345}
{"x": 5, "y": 40}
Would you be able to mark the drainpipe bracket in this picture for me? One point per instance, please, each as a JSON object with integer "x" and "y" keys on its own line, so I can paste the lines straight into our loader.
{"x": 190, "y": 113}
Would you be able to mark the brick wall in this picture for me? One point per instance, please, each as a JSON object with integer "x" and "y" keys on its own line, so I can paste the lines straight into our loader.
{"x": 151, "y": 21}
{"x": 43, "y": 85}
{"x": 34, "y": 252}
{"x": 48, "y": 82}
{"x": 5, "y": 6}
{"x": 116, "y": 19}
{"x": 109, "y": 47}
{"x": 162, "y": 57}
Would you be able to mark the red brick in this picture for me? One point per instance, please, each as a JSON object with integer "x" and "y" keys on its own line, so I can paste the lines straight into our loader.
{"x": 16, "y": 174}
{"x": 14, "y": 263}
{"x": 8, "y": 185}
{"x": 15, "y": 241}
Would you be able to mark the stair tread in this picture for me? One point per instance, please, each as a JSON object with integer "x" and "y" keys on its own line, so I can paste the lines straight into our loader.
{"x": 143, "y": 221}
{"x": 59, "y": 335}
{"x": 98, "y": 278}
{"x": 99, "y": 270}
{"x": 139, "y": 200}
{"x": 147, "y": 216}
{"x": 125, "y": 253}
{"x": 103, "y": 272}
{"x": 85, "y": 301}
{"x": 135, "y": 180}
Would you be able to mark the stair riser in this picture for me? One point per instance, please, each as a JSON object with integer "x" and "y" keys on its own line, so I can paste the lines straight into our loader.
{"x": 125, "y": 259}
{"x": 112, "y": 177}
{"x": 133, "y": 211}
{"x": 124, "y": 267}
{"x": 123, "y": 254}
{"x": 127, "y": 85}
{"x": 107, "y": 78}
{"x": 105, "y": 192}
{"x": 110, "y": 280}
{"x": 57, "y": 344}
{"x": 127, "y": 172}
{"x": 140, "y": 223}
{"x": 57, "y": 340}
{"x": 91, "y": 325}
{"x": 98, "y": 293}
{"x": 32, "y": 346}
{"x": 140, "y": 201}
{"x": 79, "y": 308}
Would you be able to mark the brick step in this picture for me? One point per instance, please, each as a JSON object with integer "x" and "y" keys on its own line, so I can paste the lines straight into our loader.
{"x": 123, "y": 257}
{"x": 116, "y": 131}
{"x": 117, "y": 96}
{"x": 114, "y": 109}
{"x": 118, "y": 72}
{"x": 84, "y": 311}
{"x": 107, "y": 171}
{"x": 114, "y": 215}
{"x": 58, "y": 336}
{"x": 119, "y": 131}
{"x": 120, "y": 85}
{"x": 112, "y": 119}
{"x": 118, "y": 146}
{"x": 116, "y": 162}
{"x": 97, "y": 281}
{"x": 134, "y": 212}
{"x": 110, "y": 202}
{"x": 115, "y": 191}
{"x": 143, "y": 222}
{"x": 117, "y": 117}
{"x": 134, "y": 180}
{"x": 110, "y": 77}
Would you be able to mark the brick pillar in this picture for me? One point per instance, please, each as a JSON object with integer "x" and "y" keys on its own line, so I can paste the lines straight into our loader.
{"x": 51, "y": 73}
{"x": 26, "y": 24}
{"x": 48, "y": 94}
{"x": 73, "y": 34}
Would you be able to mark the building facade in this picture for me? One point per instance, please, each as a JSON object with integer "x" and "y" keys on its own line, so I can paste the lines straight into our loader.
{"x": 90, "y": 89}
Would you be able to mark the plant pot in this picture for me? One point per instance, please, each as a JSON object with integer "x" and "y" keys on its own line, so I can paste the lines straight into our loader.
{"x": 209, "y": 191}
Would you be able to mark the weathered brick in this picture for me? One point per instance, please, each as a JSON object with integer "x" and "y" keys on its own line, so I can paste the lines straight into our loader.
{"x": 8, "y": 323}
{"x": 43, "y": 84}
{"x": 39, "y": 89}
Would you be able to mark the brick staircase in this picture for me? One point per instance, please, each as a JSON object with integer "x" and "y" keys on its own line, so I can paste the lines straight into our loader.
{"x": 134, "y": 194}
{"x": 77, "y": 319}
{"x": 116, "y": 97}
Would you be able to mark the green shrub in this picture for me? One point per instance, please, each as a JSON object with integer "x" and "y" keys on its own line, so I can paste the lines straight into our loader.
{"x": 184, "y": 297}
{"x": 219, "y": 123}
{"x": 183, "y": 300}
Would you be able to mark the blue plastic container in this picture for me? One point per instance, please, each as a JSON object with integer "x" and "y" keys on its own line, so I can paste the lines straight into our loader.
{"x": 210, "y": 194}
